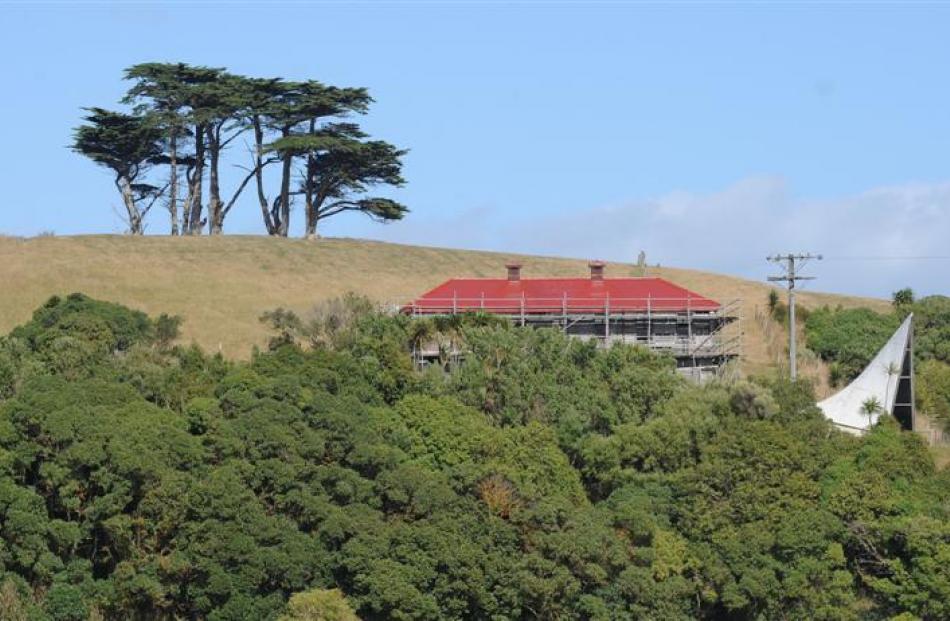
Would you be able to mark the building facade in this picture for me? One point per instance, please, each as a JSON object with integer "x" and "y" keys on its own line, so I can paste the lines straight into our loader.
{"x": 700, "y": 333}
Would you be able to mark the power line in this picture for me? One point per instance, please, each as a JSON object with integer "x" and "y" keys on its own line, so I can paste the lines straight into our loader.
{"x": 891, "y": 258}
{"x": 790, "y": 277}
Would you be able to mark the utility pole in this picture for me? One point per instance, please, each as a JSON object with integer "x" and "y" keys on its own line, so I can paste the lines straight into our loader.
{"x": 790, "y": 277}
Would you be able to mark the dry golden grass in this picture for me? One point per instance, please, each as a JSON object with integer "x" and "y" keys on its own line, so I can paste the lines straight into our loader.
{"x": 222, "y": 285}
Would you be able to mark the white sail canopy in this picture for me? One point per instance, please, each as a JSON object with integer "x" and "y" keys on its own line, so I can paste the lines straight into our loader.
{"x": 879, "y": 381}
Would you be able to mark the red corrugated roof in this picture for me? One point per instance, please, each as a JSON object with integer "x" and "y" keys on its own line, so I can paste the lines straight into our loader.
{"x": 540, "y": 295}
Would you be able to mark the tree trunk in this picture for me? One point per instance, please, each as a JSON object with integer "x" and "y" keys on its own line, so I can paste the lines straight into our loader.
{"x": 173, "y": 181}
{"x": 311, "y": 227}
{"x": 259, "y": 175}
{"x": 215, "y": 219}
{"x": 283, "y": 226}
{"x": 195, "y": 208}
{"x": 134, "y": 218}
{"x": 311, "y": 230}
{"x": 186, "y": 205}
{"x": 287, "y": 160}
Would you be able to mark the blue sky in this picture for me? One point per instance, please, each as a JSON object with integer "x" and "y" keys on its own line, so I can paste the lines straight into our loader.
{"x": 706, "y": 135}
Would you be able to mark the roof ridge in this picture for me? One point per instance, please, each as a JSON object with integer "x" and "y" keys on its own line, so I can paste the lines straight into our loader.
{"x": 585, "y": 278}
{"x": 624, "y": 290}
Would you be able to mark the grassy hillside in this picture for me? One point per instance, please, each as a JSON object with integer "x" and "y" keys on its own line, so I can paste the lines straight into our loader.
{"x": 222, "y": 285}
{"x": 131, "y": 489}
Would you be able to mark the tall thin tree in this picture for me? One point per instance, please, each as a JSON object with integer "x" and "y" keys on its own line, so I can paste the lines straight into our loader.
{"x": 167, "y": 92}
{"x": 340, "y": 169}
{"x": 300, "y": 105}
{"x": 127, "y": 145}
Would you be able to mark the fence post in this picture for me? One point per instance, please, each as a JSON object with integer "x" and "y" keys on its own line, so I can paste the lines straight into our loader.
{"x": 690, "y": 350}
{"x": 564, "y": 311}
{"x": 649, "y": 321}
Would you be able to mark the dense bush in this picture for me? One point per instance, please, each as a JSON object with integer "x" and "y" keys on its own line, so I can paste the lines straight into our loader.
{"x": 849, "y": 337}
{"x": 540, "y": 478}
{"x": 933, "y": 389}
{"x": 932, "y": 323}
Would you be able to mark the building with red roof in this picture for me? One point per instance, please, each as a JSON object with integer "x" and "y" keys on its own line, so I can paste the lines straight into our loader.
{"x": 647, "y": 311}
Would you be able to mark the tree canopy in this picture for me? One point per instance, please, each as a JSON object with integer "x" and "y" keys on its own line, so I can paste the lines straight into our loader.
{"x": 186, "y": 119}
{"x": 128, "y": 145}
{"x": 542, "y": 477}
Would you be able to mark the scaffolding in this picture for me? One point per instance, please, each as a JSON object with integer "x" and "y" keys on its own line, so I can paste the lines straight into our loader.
{"x": 703, "y": 339}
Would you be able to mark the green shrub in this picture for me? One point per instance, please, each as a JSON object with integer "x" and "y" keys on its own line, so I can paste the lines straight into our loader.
{"x": 849, "y": 337}
{"x": 932, "y": 328}
{"x": 933, "y": 390}
{"x": 319, "y": 605}
{"x": 542, "y": 477}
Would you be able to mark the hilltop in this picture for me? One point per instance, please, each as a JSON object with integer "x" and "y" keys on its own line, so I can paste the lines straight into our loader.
{"x": 221, "y": 285}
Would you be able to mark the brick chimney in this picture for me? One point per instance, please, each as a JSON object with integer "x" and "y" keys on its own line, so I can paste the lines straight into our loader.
{"x": 514, "y": 271}
{"x": 597, "y": 269}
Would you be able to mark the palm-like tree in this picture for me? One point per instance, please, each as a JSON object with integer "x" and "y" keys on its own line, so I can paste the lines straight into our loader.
{"x": 449, "y": 329}
{"x": 904, "y": 297}
{"x": 421, "y": 332}
{"x": 891, "y": 369}
{"x": 870, "y": 407}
